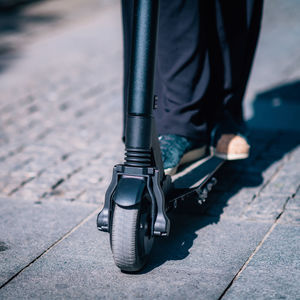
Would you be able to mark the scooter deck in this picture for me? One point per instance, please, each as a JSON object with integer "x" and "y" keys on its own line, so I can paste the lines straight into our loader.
{"x": 196, "y": 179}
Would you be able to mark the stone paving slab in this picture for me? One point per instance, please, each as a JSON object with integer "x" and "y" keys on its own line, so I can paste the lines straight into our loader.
{"x": 274, "y": 271}
{"x": 291, "y": 214}
{"x": 60, "y": 104}
{"x": 27, "y": 229}
{"x": 193, "y": 262}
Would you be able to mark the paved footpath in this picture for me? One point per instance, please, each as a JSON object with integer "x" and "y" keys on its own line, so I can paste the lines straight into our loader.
{"x": 60, "y": 126}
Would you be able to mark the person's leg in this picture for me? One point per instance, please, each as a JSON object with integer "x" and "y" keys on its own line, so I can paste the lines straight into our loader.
{"x": 182, "y": 69}
{"x": 205, "y": 54}
{"x": 237, "y": 25}
{"x": 232, "y": 48}
{"x": 182, "y": 66}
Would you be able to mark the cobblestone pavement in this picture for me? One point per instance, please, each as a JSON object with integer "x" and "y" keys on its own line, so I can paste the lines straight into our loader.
{"x": 60, "y": 128}
{"x": 54, "y": 116}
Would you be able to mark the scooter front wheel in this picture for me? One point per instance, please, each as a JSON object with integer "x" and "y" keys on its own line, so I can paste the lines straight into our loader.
{"x": 131, "y": 239}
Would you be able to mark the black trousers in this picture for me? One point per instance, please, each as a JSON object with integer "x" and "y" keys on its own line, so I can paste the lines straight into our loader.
{"x": 205, "y": 50}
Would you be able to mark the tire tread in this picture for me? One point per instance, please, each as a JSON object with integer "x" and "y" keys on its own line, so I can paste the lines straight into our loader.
{"x": 124, "y": 238}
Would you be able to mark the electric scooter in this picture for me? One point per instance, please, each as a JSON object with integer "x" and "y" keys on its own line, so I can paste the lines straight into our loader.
{"x": 140, "y": 194}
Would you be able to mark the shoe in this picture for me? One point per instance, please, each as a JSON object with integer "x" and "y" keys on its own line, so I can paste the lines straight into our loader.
{"x": 229, "y": 140}
{"x": 177, "y": 150}
{"x": 232, "y": 147}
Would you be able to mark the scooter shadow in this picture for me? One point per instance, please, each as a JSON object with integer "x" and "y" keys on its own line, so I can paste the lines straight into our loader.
{"x": 186, "y": 220}
{"x": 269, "y": 145}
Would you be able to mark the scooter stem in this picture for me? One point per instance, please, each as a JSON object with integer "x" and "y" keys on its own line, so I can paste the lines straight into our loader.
{"x": 140, "y": 99}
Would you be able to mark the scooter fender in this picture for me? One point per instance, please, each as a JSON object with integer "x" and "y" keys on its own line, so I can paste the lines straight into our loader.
{"x": 129, "y": 191}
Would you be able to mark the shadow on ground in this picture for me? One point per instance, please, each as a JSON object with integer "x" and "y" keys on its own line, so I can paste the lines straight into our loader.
{"x": 268, "y": 146}
{"x": 17, "y": 24}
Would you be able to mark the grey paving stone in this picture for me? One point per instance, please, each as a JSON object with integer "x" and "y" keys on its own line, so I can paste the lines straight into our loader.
{"x": 28, "y": 228}
{"x": 286, "y": 182}
{"x": 291, "y": 217}
{"x": 287, "y": 178}
{"x": 198, "y": 260}
{"x": 273, "y": 272}
{"x": 291, "y": 214}
{"x": 265, "y": 207}
{"x": 93, "y": 194}
{"x": 294, "y": 203}
{"x": 227, "y": 204}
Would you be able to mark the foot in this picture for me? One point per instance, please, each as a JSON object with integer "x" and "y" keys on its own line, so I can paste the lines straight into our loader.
{"x": 231, "y": 147}
{"x": 177, "y": 150}
{"x": 228, "y": 139}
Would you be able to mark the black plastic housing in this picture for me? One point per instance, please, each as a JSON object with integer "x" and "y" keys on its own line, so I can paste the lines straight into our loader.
{"x": 138, "y": 133}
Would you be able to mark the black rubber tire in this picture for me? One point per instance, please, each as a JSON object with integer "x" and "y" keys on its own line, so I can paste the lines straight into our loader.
{"x": 131, "y": 241}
